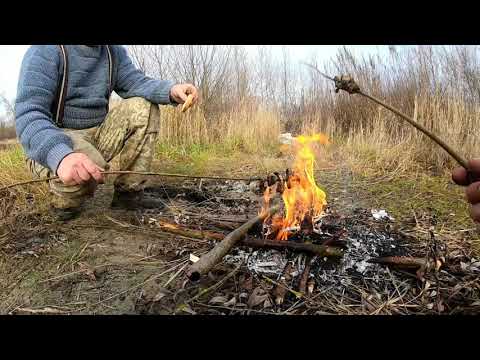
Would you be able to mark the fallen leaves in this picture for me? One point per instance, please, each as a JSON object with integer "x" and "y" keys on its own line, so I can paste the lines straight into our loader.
{"x": 218, "y": 300}
{"x": 257, "y": 297}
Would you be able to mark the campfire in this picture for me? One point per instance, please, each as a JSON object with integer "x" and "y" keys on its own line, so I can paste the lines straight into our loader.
{"x": 304, "y": 201}
{"x": 287, "y": 249}
{"x": 298, "y": 254}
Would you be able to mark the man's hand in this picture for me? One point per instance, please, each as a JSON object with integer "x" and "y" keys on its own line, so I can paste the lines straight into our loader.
{"x": 179, "y": 93}
{"x": 77, "y": 168}
{"x": 472, "y": 191}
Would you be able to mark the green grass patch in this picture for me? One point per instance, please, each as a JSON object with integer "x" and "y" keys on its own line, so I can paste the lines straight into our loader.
{"x": 12, "y": 158}
{"x": 407, "y": 197}
{"x": 215, "y": 159}
{"x": 13, "y": 169}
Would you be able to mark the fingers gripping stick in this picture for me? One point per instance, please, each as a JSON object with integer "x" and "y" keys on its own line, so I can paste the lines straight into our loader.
{"x": 472, "y": 177}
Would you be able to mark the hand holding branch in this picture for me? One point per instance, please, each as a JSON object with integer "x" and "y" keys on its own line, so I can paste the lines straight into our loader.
{"x": 472, "y": 191}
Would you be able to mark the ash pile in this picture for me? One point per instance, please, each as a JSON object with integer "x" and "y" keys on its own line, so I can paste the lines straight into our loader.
{"x": 362, "y": 238}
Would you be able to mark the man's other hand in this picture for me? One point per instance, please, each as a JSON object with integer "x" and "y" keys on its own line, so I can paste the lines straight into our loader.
{"x": 179, "y": 93}
{"x": 472, "y": 191}
{"x": 77, "y": 168}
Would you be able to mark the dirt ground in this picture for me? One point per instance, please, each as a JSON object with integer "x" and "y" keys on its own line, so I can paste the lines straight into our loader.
{"x": 120, "y": 262}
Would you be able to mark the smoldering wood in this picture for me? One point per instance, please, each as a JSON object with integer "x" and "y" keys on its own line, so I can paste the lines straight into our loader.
{"x": 314, "y": 249}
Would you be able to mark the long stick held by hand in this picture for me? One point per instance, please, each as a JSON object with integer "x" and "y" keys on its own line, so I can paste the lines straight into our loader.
{"x": 349, "y": 85}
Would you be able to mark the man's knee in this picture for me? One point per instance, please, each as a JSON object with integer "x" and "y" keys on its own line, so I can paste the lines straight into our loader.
{"x": 135, "y": 103}
{"x": 142, "y": 111}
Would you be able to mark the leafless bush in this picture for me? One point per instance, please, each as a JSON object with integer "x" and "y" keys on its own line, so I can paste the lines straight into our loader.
{"x": 7, "y": 128}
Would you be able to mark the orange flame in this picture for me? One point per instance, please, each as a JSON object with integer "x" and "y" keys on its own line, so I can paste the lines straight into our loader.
{"x": 301, "y": 195}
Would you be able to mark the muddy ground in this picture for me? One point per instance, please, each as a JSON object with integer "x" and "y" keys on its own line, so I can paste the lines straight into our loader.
{"x": 120, "y": 262}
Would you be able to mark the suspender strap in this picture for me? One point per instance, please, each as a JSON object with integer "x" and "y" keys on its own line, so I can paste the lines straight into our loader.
{"x": 110, "y": 75}
{"x": 63, "y": 89}
{"x": 59, "y": 104}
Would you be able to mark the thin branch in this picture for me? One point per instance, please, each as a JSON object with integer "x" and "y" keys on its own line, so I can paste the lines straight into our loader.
{"x": 123, "y": 172}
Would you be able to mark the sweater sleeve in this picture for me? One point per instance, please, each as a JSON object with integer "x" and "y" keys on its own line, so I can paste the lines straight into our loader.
{"x": 41, "y": 139}
{"x": 131, "y": 82}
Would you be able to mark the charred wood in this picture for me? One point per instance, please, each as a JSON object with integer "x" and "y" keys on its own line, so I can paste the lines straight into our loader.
{"x": 302, "y": 286}
{"x": 281, "y": 289}
{"x": 314, "y": 249}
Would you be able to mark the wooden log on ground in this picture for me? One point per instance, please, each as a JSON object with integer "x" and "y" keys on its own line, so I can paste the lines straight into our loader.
{"x": 321, "y": 250}
{"x": 404, "y": 262}
{"x": 207, "y": 261}
{"x": 182, "y": 231}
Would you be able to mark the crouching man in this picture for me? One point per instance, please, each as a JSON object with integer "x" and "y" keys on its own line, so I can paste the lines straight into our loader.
{"x": 66, "y": 129}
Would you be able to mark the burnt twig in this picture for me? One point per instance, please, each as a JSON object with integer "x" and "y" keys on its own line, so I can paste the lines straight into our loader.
{"x": 400, "y": 261}
{"x": 281, "y": 289}
{"x": 321, "y": 250}
{"x": 302, "y": 286}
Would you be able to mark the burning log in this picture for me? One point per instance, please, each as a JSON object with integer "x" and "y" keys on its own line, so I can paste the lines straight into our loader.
{"x": 306, "y": 226}
{"x": 281, "y": 289}
{"x": 320, "y": 250}
{"x": 207, "y": 261}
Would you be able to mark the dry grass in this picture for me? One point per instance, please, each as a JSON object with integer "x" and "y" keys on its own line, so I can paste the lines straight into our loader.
{"x": 7, "y": 132}
{"x": 12, "y": 170}
{"x": 435, "y": 86}
{"x": 247, "y": 127}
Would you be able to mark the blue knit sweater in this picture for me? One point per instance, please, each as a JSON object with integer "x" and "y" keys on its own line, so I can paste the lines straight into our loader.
{"x": 86, "y": 98}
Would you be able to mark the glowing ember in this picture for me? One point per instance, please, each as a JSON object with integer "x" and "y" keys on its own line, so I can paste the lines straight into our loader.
{"x": 301, "y": 195}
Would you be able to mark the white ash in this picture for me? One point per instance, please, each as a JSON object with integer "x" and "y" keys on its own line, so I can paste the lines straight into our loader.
{"x": 240, "y": 187}
{"x": 381, "y": 214}
{"x": 261, "y": 262}
{"x": 275, "y": 260}
{"x": 362, "y": 245}
{"x": 234, "y": 186}
{"x": 473, "y": 265}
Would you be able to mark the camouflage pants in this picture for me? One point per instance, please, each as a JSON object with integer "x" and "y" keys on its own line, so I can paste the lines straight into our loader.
{"x": 129, "y": 131}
